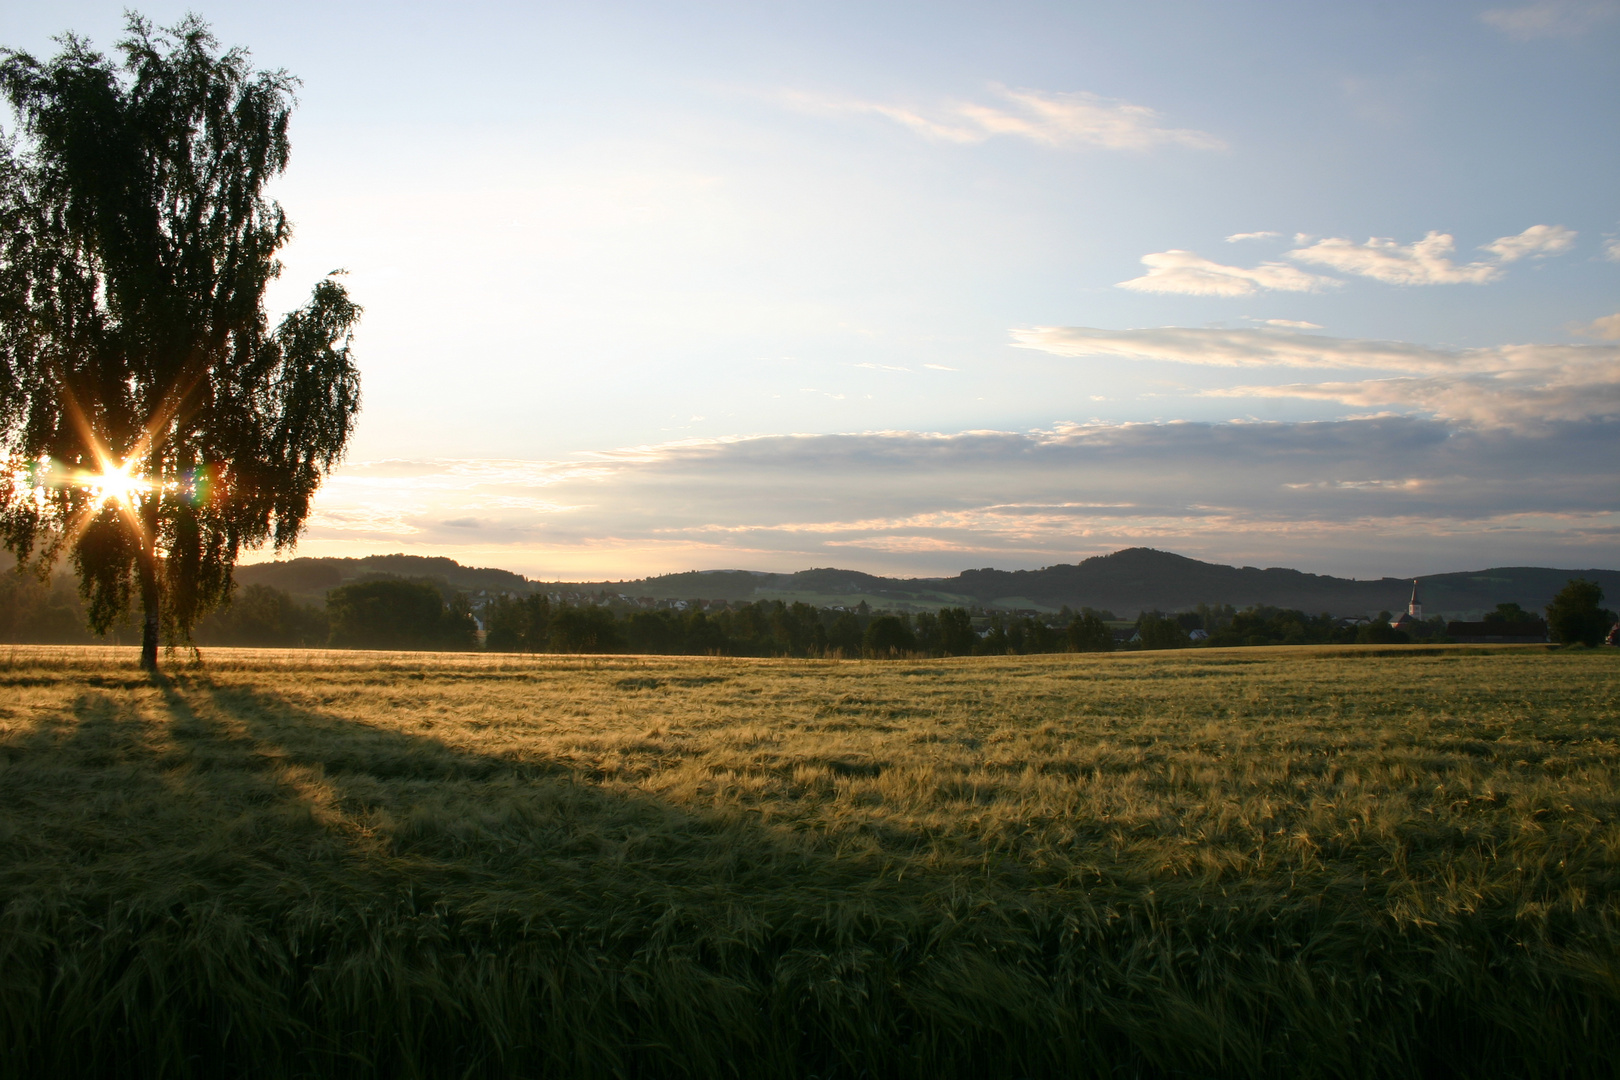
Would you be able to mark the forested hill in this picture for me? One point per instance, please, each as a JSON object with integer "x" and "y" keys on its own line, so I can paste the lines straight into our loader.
{"x": 309, "y": 579}
{"x": 1125, "y": 582}
{"x": 1139, "y": 578}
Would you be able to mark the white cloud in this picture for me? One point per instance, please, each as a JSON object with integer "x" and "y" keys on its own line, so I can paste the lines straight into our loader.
{"x": 1551, "y": 18}
{"x": 1293, "y": 324}
{"x": 1187, "y": 274}
{"x": 1426, "y": 262}
{"x": 1611, "y": 250}
{"x": 1538, "y": 240}
{"x": 1060, "y": 120}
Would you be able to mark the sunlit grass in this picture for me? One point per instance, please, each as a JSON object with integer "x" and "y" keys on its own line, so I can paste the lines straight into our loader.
{"x": 1289, "y": 862}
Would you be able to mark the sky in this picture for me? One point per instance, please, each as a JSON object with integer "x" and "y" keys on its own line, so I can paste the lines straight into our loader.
{"x": 914, "y": 288}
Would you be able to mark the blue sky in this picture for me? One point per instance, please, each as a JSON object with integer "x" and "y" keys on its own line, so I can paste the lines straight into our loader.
{"x": 917, "y": 287}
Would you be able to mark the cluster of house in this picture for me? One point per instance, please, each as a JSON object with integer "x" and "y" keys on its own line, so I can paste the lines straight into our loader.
{"x": 645, "y": 603}
{"x": 648, "y": 603}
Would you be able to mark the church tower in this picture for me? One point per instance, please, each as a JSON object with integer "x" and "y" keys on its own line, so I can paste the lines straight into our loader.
{"x": 1415, "y": 608}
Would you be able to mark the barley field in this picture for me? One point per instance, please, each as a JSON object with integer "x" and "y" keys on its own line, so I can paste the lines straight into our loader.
{"x": 1344, "y": 862}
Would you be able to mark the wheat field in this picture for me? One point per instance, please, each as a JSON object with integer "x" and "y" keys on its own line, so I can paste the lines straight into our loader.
{"x": 1344, "y": 862}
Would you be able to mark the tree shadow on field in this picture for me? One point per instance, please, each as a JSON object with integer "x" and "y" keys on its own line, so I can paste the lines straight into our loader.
{"x": 210, "y": 878}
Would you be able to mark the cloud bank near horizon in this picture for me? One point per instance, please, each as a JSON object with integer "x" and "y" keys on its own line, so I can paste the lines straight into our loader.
{"x": 1318, "y": 495}
{"x": 1442, "y": 459}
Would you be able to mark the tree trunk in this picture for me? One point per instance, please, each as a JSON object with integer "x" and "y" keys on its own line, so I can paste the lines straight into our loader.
{"x": 149, "y": 584}
{"x": 149, "y": 635}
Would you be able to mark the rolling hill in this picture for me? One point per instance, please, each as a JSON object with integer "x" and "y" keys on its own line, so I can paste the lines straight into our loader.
{"x": 1124, "y": 582}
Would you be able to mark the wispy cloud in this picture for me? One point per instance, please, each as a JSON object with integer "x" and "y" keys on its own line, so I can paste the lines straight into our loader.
{"x": 1524, "y": 400}
{"x": 1293, "y": 324}
{"x": 1235, "y": 237}
{"x": 1233, "y": 348}
{"x": 1519, "y": 387}
{"x": 1185, "y": 273}
{"x": 369, "y": 519}
{"x": 1551, "y": 18}
{"x": 1055, "y": 119}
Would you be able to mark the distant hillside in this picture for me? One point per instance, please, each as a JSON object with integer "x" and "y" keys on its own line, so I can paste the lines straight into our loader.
{"x": 1125, "y": 582}
{"x": 834, "y": 586}
{"x": 1139, "y": 578}
{"x": 309, "y": 579}
{"x": 1136, "y": 579}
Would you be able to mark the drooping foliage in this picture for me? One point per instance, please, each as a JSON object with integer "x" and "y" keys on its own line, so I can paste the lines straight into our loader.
{"x": 153, "y": 422}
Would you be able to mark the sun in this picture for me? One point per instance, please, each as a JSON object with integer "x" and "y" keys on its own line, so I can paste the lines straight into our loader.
{"x": 115, "y": 485}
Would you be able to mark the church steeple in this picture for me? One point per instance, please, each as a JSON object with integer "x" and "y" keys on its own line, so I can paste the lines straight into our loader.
{"x": 1415, "y": 608}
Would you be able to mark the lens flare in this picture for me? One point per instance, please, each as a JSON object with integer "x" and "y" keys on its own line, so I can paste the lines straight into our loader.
{"x": 197, "y": 487}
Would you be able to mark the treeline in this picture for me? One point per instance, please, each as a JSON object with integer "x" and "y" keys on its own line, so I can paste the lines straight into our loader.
{"x": 772, "y": 628}
{"x": 386, "y": 613}
{"x": 43, "y": 613}
{"x": 427, "y": 614}
{"x": 1224, "y": 626}
{"x": 398, "y": 613}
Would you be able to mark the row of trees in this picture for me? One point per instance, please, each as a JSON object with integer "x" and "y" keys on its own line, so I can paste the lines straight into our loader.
{"x": 772, "y": 628}
{"x": 398, "y": 613}
{"x": 1225, "y": 626}
{"x": 379, "y": 614}
{"x": 395, "y": 613}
